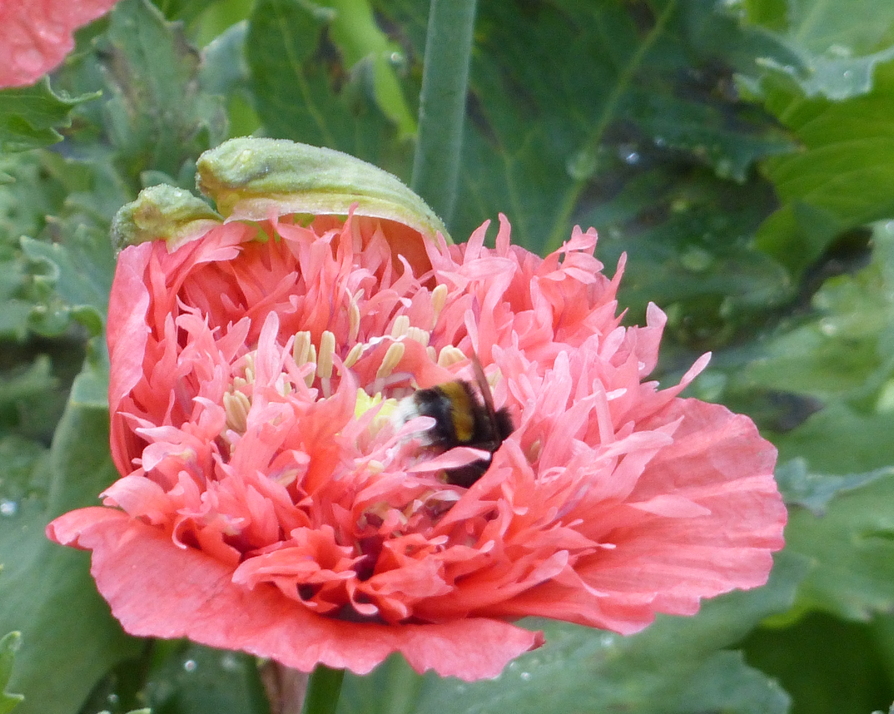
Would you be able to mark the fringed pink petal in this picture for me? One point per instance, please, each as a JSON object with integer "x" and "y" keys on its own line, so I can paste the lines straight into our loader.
{"x": 158, "y": 591}
{"x": 280, "y": 495}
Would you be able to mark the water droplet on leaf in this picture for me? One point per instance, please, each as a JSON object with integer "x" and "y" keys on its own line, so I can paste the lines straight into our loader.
{"x": 828, "y": 328}
{"x": 628, "y": 154}
{"x": 398, "y": 60}
{"x": 581, "y": 165}
{"x": 229, "y": 662}
{"x": 696, "y": 260}
{"x": 8, "y": 508}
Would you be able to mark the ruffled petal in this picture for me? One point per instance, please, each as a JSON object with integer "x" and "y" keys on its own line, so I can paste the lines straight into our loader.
{"x": 155, "y": 590}
{"x": 286, "y": 488}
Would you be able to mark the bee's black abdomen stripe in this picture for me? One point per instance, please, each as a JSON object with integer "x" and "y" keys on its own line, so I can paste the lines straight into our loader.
{"x": 462, "y": 419}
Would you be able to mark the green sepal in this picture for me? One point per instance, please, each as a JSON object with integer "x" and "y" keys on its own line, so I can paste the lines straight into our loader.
{"x": 249, "y": 178}
{"x": 163, "y": 212}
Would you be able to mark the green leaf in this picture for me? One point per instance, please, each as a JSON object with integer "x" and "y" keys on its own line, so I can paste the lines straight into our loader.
{"x": 554, "y": 133}
{"x": 28, "y": 198}
{"x": 705, "y": 130}
{"x": 302, "y": 90}
{"x": 828, "y": 666}
{"x": 75, "y": 278}
{"x": 225, "y": 72}
{"x": 191, "y": 679}
{"x": 852, "y": 546}
{"x": 674, "y": 666}
{"x": 155, "y": 117}
{"x": 841, "y": 439}
{"x": 697, "y": 260}
{"x": 838, "y": 52}
{"x": 725, "y": 683}
{"x": 184, "y": 10}
{"x": 54, "y": 248}
{"x": 224, "y": 69}
{"x": 218, "y": 18}
{"x": 29, "y": 398}
{"x": 359, "y": 38}
{"x": 882, "y": 629}
{"x": 842, "y": 354}
{"x": 46, "y": 590}
{"x": 8, "y": 647}
{"x": 90, "y": 388}
{"x": 633, "y": 128}
{"x": 840, "y": 179}
{"x": 814, "y": 491}
{"x": 30, "y": 116}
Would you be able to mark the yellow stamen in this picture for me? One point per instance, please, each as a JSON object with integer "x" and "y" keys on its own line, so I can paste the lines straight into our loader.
{"x": 365, "y": 402}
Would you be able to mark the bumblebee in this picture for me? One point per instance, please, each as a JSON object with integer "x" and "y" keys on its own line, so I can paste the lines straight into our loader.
{"x": 462, "y": 418}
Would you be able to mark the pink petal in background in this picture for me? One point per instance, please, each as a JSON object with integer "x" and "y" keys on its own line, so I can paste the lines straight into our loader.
{"x": 35, "y": 35}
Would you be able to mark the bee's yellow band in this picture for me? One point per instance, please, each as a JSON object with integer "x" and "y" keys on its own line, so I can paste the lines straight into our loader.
{"x": 461, "y": 410}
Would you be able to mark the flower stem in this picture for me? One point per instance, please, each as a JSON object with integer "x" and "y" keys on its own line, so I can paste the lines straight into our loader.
{"x": 323, "y": 689}
{"x": 442, "y": 103}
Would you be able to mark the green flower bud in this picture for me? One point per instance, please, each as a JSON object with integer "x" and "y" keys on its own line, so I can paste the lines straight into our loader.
{"x": 249, "y": 178}
{"x": 163, "y": 212}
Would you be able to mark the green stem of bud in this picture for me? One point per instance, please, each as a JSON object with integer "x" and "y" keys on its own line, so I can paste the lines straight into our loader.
{"x": 442, "y": 103}
{"x": 323, "y": 689}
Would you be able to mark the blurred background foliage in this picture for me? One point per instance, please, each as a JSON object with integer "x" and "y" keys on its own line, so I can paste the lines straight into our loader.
{"x": 741, "y": 154}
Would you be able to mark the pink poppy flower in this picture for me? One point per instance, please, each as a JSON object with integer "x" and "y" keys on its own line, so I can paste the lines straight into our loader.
{"x": 276, "y": 497}
{"x": 35, "y": 35}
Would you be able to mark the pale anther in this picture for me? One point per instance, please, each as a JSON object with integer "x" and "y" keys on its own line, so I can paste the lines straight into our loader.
{"x": 438, "y": 300}
{"x": 393, "y": 356}
{"x": 301, "y": 347}
{"x": 311, "y": 357}
{"x": 236, "y": 406}
{"x": 250, "y": 367}
{"x": 450, "y": 355}
{"x": 400, "y": 326}
{"x": 354, "y": 317}
{"x": 353, "y": 355}
{"x": 324, "y": 359}
{"x": 419, "y": 335}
